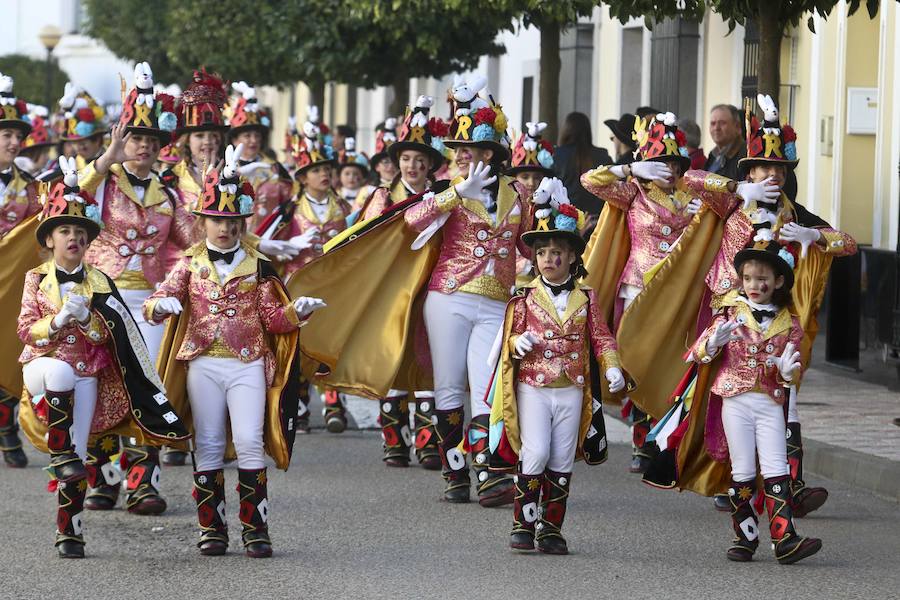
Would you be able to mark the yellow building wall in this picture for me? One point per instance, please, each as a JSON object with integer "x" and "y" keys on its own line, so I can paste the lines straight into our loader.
{"x": 888, "y": 167}
{"x": 722, "y": 69}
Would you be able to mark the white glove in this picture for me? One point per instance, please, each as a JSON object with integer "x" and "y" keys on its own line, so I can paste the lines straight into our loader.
{"x": 651, "y": 170}
{"x": 788, "y": 362}
{"x": 723, "y": 334}
{"x": 544, "y": 191}
{"x": 250, "y": 168}
{"x": 525, "y": 344}
{"x": 278, "y": 249}
{"x": 78, "y": 308}
{"x": 694, "y": 206}
{"x": 63, "y": 317}
{"x": 805, "y": 236}
{"x": 764, "y": 191}
{"x": 616, "y": 380}
{"x": 479, "y": 178}
{"x": 304, "y": 240}
{"x": 304, "y": 305}
{"x": 167, "y": 306}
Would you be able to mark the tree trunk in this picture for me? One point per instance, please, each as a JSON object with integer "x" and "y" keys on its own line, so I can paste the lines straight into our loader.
{"x": 770, "y": 34}
{"x": 400, "y": 85}
{"x": 317, "y": 95}
{"x": 548, "y": 93}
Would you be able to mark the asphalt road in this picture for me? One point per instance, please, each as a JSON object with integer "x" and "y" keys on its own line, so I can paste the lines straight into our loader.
{"x": 343, "y": 525}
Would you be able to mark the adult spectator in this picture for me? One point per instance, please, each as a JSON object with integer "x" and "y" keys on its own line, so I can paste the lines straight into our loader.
{"x": 727, "y": 133}
{"x": 692, "y": 134}
{"x": 622, "y": 138}
{"x": 576, "y": 155}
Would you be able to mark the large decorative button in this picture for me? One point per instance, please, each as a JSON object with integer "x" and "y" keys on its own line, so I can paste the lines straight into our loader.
{"x": 213, "y": 308}
{"x": 125, "y": 250}
{"x": 778, "y": 393}
{"x": 191, "y": 346}
{"x": 770, "y": 362}
{"x": 12, "y": 216}
{"x": 753, "y": 349}
{"x": 548, "y": 334}
{"x": 80, "y": 365}
{"x": 539, "y": 378}
{"x": 574, "y": 356}
{"x": 230, "y": 312}
{"x": 42, "y": 342}
{"x": 666, "y": 230}
{"x": 317, "y": 247}
{"x": 70, "y": 339}
{"x": 232, "y": 296}
{"x": 152, "y": 230}
{"x": 752, "y": 363}
{"x": 664, "y": 246}
{"x": 726, "y": 284}
{"x": 150, "y": 250}
{"x": 728, "y": 386}
{"x": 770, "y": 348}
{"x": 214, "y": 295}
{"x": 451, "y": 282}
{"x": 94, "y": 335}
{"x": 503, "y": 252}
{"x": 332, "y": 232}
{"x": 579, "y": 380}
{"x": 706, "y": 359}
{"x": 482, "y": 235}
{"x": 131, "y": 234}
{"x": 548, "y": 354}
{"x": 245, "y": 352}
{"x": 479, "y": 252}
{"x": 507, "y": 234}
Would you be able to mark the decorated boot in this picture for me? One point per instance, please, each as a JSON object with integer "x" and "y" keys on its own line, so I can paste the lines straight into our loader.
{"x": 743, "y": 520}
{"x": 554, "y": 496}
{"x": 789, "y": 546}
{"x": 525, "y": 510}
{"x": 394, "y": 423}
{"x": 174, "y": 457}
{"x": 448, "y": 427}
{"x": 70, "y": 505}
{"x": 64, "y": 462}
{"x": 209, "y": 493}
{"x": 426, "y": 439}
{"x": 804, "y": 499}
{"x": 335, "y": 413}
{"x": 10, "y": 444}
{"x": 142, "y": 480}
{"x": 494, "y": 489}
{"x": 303, "y": 408}
{"x": 104, "y": 478}
{"x": 254, "y": 512}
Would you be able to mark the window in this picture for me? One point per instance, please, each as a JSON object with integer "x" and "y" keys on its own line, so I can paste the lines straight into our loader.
{"x": 527, "y": 100}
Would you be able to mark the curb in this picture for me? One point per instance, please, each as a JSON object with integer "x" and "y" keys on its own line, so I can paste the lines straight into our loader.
{"x": 881, "y": 476}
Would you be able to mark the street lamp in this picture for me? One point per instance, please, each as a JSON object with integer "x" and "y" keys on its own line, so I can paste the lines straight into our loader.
{"x": 49, "y": 36}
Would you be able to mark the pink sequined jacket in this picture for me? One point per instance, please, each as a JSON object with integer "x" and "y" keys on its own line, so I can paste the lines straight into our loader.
{"x": 477, "y": 256}
{"x": 741, "y": 225}
{"x": 748, "y": 363}
{"x": 273, "y": 186}
{"x": 304, "y": 218}
{"x": 18, "y": 201}
{"x": 560, "y": 358}
{"x": 131, "y": 227}
{"x": 84, "y": 348}
{"x": 655, "y": 218}
{"x": 228, "y": 318}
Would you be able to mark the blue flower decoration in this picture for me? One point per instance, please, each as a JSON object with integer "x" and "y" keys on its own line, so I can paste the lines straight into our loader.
{"x": 84, "y": 129}
{"x": 786, "y": 257}
{"x": 326, "y": 139}
{"x": 245, "y": 203}
{"x": 790, "y": 151}
{"x": 265, "y": 121}
{"x": 328, "y": 151}
{"x": 438, "y": 144}
{"x": 545, "y": 158}
{"x": 484, "y": 133}
{"x": 92, "y": 212}
{"x": 684, "y": 152}
{"x": 361, "y": 160}
{"x": 565, "y": 222}
{"x": 168, "y": 121}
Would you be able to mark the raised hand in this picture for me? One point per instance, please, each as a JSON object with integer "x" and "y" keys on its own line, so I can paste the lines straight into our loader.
{"x": 788, "y": 362}
{"x": 651, "y": 170}
{"x": 479, "y": 178}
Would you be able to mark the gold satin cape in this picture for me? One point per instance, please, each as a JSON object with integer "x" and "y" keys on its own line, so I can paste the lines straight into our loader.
{"x": 370, "y": 337}
{"x": 19, "y": 249}
{"x": 174, "y": 376}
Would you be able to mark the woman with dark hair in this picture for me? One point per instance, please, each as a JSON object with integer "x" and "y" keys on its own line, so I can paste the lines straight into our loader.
{"x": 577, "y": 155}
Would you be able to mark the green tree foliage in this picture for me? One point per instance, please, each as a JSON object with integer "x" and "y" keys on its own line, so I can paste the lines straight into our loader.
{"x": 30, "y": 78}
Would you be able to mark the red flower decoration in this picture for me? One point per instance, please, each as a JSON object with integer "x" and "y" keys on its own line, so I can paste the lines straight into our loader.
{"x": 788, "y": 133}
{"x": 547, "y": 146}
{"x": 247, "y": 189}
{"x": 21, "y": 106}
{"x": 485, "y": 115}
{"x": 680, "y": 138}
{"x": 437, "y": 127}
{"x": 167, "y": 102}
{"x": 85, "y": 114}
{"x": 569, "y": 210}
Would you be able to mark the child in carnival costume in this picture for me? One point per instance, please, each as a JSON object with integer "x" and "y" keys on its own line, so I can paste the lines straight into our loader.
{"x": 546, "y": 408}
{"x": 697, "y": 277}
{"x": 79, "y": 340}
{"x": 229, "y": 301}
{"x": 18, "y": 201}
{"x": 352, "y": 171}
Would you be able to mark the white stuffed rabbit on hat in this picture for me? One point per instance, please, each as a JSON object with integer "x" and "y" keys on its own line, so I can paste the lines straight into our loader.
{"x": 231, "y": 168}
{"x": 770, "y": 114}
{"x": 6, "y": 90}
{"x": 143, "y": 82}
{"x": 533, "y": 133}
{"x": 247, "y": 92}
{"x": 466, "y": 94}
{"x": 70, "y": 176}
{"x": 420, "y": 112}
{"x": 69, "y": 97}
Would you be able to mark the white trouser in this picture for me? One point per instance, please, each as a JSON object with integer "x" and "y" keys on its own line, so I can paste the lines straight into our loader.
{"x": 45, "y": 373}
{"x": 793, "y": 413}
{"x": 754, "y": 425}
{"x": 226, "y": 388}
{"x": 549, "y": 419}
{"x": 461, "y": 331}
{"x": 153, "y": 334}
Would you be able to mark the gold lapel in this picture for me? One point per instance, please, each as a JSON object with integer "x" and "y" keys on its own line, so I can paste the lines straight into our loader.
{"x": 543, "y": 299}
{"x": 49, "y": 285}
{"x": 780, "y": 324}
{"x": 744, "y": 310}
{"x": 334, "y": 211}
{"x": 95, "y": 281}
{"x": 186, "y": 180}
{"x": 200, "y": 262}
{"x": 18, "y": 184}
{"x": 155, "y": 193}
{"x": 577, "y": 298}
{"x": 660, "y": 197}
{"x": 506, "y": 198}
{"x": 246, "y": 267}
{"x": 399, "y": 193}
{"x": 123, "y": 184}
